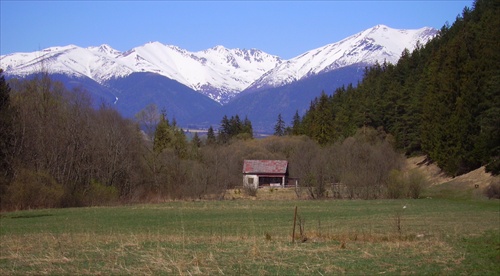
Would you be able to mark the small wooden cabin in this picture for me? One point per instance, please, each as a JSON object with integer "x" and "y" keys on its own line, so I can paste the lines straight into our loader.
{"x": 261, "y": 173}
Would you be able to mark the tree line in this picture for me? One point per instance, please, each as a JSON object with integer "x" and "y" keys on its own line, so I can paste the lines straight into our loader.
{"x": 57, "y": 150}
{"x": 442, "y": 99}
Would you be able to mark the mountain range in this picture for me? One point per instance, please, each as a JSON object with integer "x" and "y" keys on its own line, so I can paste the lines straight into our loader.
{"x": 198, "y": 88}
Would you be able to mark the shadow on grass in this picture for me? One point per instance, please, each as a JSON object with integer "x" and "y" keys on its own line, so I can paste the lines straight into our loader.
{"x": 29, "y": 216}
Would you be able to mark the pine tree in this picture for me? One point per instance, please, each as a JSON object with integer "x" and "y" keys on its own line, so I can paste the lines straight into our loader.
{"x": 211, "y": 139}
{"x": 6, "y": 134}
{"x": 247, "y": 127}
{"x": 296, "y": 124}
{"x": 196, "y": 141}
{"x": 322, "y": 128}
{"x": 224, "y": 130}
{"x": 279, "y": 128}
{"x": 307, "y": 123}
{"x": 488, "y": 140}
{"x": 235, "y": 126}
{"x": 163, "y": 135}
{"x": 179, "y": 143}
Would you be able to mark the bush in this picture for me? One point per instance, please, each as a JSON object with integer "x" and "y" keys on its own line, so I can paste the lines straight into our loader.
{"x": 100, "y": 194}
{"x": 397, "y": 185}
{"x": 402, "y": 185}
{"x": 34, "y": 189}
{"x": 493, "y": 190}
{"x": 494, "y": 166}
{"x": 416, "y": 183}
{"x": 250, "y": 190}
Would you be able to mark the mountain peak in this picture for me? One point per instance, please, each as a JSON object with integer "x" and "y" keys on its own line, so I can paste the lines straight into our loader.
{"x": 104, "y": 49}
{"x": 59, "y": 48}
{"x": 219, "y": 48}
{"x": 155, "y": 43}
{"x": 379, "y": 43}
{"x": 218, "y": 72}
{"x": 380, "y": 26}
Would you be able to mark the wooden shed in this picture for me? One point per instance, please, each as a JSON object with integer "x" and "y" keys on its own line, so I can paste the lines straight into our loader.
{"x": 259, "y": 173}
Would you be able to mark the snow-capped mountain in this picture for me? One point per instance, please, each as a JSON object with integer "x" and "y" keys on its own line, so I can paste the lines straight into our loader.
{"x": 379, "y": 43}
{"x": 217, "y": 72}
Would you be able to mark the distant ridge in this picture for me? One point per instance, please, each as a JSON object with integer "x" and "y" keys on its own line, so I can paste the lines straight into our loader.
{"x": 218, "y": 72}
{"x": 379, "y": 43}
{"x": 198, "y": 88}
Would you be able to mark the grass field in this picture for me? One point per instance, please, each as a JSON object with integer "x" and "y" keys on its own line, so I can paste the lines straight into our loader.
{"x": 253, "y": 237}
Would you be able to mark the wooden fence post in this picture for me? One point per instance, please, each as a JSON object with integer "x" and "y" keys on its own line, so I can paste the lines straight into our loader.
{"x": 294, "y": 223}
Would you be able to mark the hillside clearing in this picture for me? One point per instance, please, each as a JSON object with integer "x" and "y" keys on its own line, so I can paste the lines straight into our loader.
{"x": 436, "y": 176}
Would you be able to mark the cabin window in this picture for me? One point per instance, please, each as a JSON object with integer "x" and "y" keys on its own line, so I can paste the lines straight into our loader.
{"x": 250, "y": 180}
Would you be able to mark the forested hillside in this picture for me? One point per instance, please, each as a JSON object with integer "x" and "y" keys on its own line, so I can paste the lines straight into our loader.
{"x": 442, "y": 99}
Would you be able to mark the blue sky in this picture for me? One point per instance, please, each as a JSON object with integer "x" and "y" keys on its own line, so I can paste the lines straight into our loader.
{"x": 282, "y": 28}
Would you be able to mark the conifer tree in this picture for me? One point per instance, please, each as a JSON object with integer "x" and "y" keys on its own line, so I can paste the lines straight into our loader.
{"x": 296, "y": 127}
{"x": 196, "y": 141}
{"x": 6, "y": 134}
{"x": 247, "y": 127}
{"x": 322, "y": 124}
{"x": 179, "y": 143}
{"x": 163, "y": 135}
{"x": 224, "y": 130}
{"x": 211, "y": 139}
{"x": 235, "y": 126}
{"x": 279, "y": 128}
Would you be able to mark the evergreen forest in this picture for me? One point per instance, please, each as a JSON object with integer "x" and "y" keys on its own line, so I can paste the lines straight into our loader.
{"x": 441, "y": 100}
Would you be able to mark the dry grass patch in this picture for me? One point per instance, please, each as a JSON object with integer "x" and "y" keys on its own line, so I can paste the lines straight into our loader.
{"x": 435, "y": 175}
{"x": 265, "y": 193}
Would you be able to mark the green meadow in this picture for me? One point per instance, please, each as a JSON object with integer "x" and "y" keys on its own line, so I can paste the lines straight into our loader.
{"x": 254, "y": 237}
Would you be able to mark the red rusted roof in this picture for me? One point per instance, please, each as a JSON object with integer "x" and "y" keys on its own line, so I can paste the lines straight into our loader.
{"x": 265, "y": 166}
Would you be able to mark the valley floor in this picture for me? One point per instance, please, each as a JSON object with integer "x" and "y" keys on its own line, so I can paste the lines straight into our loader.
{"x": 254, "y": 237}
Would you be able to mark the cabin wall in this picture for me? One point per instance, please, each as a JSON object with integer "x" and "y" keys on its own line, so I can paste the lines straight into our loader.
{"x": 251, "y": 180}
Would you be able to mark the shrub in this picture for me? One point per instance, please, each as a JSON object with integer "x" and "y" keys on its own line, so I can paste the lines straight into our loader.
{"x": 34, "y": 189}
{"x": 250, "y": 190}
{"x": 416, "y": 183}
{"x": 397, "y": 186}
{"x": 494, "y": 166}
{"x": 493, "y": 190}
{"x": 402, "y": 185}
{"x": 99, "y": 194}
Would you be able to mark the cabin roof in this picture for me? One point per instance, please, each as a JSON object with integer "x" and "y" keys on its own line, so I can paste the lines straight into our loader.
{"x": 265, "y": 166}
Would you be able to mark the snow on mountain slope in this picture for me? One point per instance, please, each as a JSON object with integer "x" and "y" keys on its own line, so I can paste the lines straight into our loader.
{"x": 379, "y": 43}
{"x": 97, "y": 63}
{"x": 218, "y": 72}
